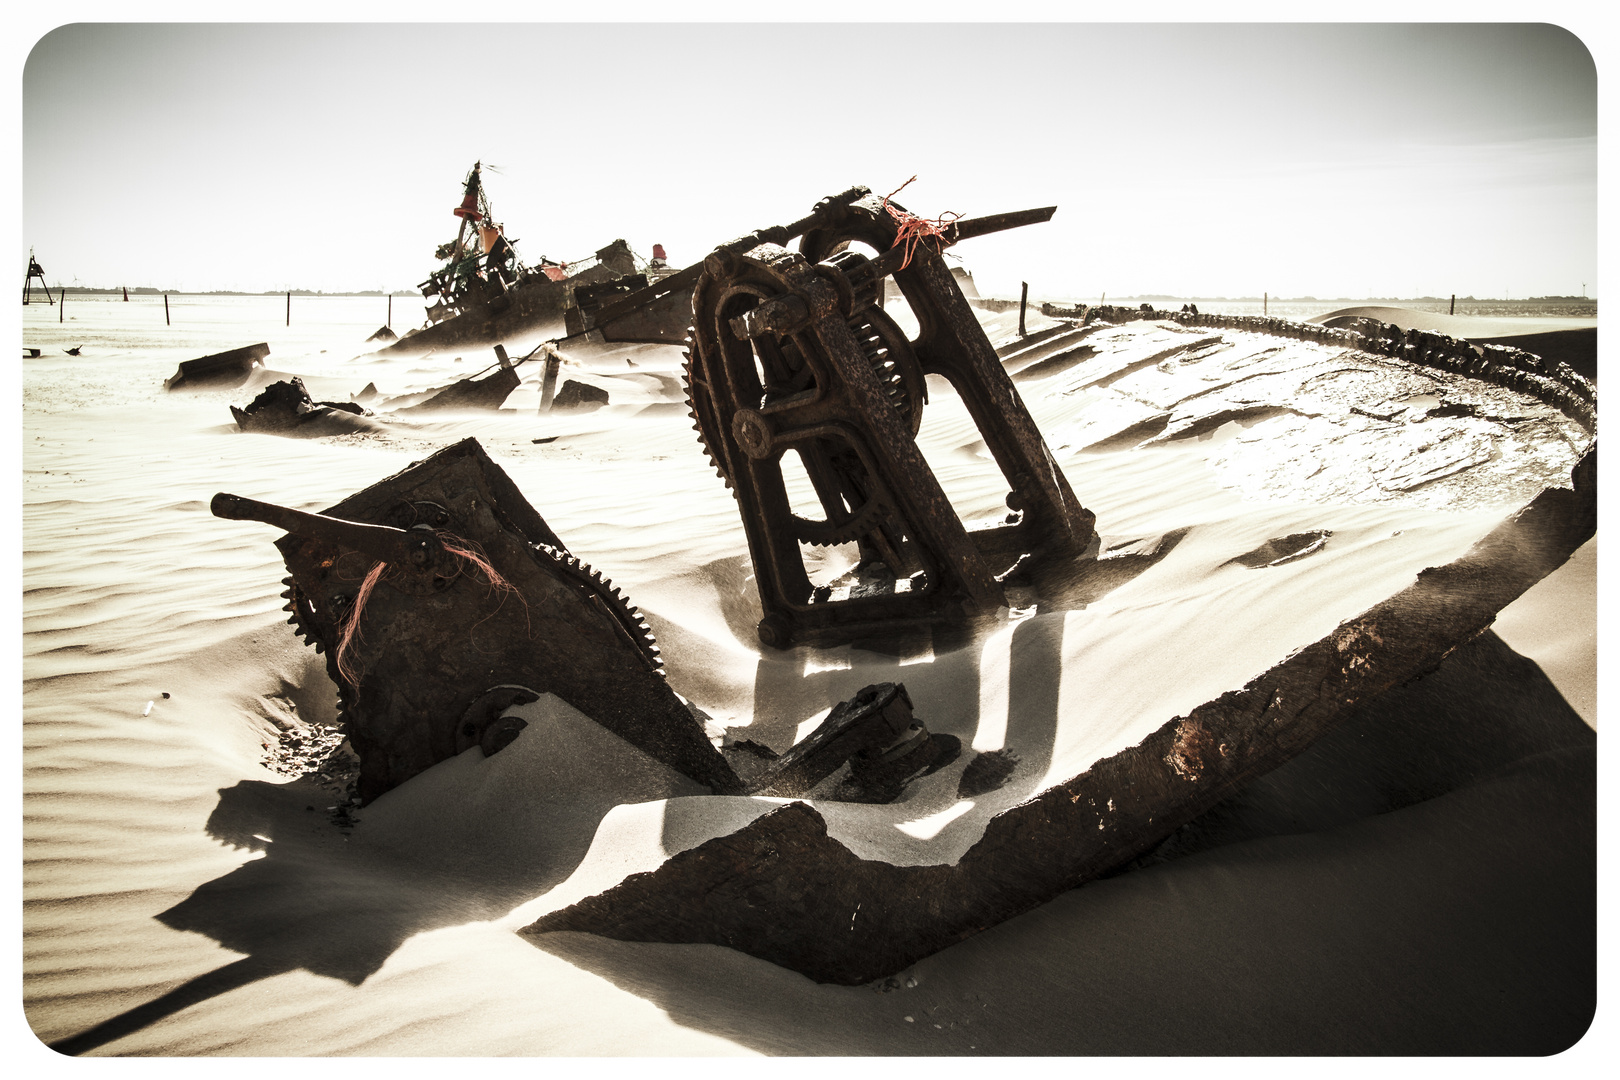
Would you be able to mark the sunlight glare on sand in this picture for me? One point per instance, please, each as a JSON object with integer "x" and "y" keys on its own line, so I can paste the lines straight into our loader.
{"x": 929, "y": 827}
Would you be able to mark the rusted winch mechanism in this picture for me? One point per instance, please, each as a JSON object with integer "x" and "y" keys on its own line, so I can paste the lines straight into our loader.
{"x": 442, "y": 599}
{"x": 791, "y": 351}
{"x": 477, "y": 605}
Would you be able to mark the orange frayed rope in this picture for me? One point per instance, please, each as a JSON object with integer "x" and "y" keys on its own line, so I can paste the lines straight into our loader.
{"x": 914, "y": 229}
{"x": 468, "y": 551}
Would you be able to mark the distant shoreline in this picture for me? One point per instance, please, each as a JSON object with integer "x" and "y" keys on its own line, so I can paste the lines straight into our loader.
{"x": 144, "y": 290}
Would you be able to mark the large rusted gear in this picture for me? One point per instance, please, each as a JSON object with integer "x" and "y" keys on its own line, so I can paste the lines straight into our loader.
{"x": 793, "y": 351}
{"x": 476, "y": 593}
{"x": 852, "y": 498}
{"x": 700, "y": 407}
{"x": 301, "y": 618}
{"x": 782, "y": 360}
{"x": 601, "y": 591}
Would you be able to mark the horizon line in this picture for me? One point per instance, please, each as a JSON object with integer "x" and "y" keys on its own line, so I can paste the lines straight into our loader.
{"x": 149, "y": 290}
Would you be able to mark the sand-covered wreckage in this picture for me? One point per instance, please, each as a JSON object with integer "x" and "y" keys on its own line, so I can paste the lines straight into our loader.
{"x": 483, "y": 293}
{"x": 228, "y": 369}
{"x": 444, "y": 602}
{"x": 286, "y": 408}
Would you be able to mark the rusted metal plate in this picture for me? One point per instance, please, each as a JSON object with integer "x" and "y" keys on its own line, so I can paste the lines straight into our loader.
{"x": 488, "y": 392}
{"x": 792, "y": 888}
{"x": 496, "y": 601}
{"x": 229, "y": 368}
{"x": 815, "y": 907}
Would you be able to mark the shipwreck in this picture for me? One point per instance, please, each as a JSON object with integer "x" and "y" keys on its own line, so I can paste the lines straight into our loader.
{"x": 901, "y": 825}
{"x": 483, "y": 293}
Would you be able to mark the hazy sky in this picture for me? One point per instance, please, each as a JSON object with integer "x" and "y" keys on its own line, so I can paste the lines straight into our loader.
{"x": 1331, "y": 160}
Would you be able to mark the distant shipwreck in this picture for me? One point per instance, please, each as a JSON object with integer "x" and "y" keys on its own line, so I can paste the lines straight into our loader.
{"x": 482, "y": 292}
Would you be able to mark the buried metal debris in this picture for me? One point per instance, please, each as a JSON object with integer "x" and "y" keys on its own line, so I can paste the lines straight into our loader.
{"x": 441, "y": 585}
{"x": 474, "y": 392}
{"x": 226, "y": 369}
{"x": 285, "y": 406}
{"x": 442, "y": 599}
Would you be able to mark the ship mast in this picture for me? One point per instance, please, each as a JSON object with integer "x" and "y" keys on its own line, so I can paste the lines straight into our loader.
{"x": 471, "y": 209}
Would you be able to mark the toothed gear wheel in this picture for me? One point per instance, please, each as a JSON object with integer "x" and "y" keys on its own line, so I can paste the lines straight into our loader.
{"x": 701, "y": 408}
{"x": 302, "y": 617}
{"x": 608, "y": 598}
{"x": 866, "y": 520}
{"x": 894, "y": 363}
{"x": 344, "y": 696}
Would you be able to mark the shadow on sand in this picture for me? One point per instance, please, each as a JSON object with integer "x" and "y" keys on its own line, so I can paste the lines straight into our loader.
{"x": 317, "y": 902}
{"x": 1422, "y": 880}
{"x": 1486, "y": 734}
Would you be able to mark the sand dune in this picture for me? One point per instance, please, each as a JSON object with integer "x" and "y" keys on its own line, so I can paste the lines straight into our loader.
{"x": 1421, "y": 881}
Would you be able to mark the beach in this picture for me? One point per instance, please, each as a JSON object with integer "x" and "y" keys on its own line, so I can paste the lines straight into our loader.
{"x": 1421, "y": 880}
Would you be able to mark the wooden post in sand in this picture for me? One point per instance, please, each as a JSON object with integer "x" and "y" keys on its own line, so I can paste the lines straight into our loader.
{"x": 548, "y": 388}
{"x": 1265, "y": 305}
{"x": 1023, "y": 303}
{"x": 289, "y": 307}
{"x": 165, "y": 309}
{"x": 1453, "y": 310}
{"x": 63, "y": 305}
{"x": 389, "y": 322}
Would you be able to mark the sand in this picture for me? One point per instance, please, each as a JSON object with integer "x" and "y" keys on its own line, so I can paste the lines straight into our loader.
{"x": 1422, "y": 881}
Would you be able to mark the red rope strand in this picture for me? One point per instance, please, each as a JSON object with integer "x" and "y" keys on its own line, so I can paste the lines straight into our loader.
{"x": 913, "y": 229}
{"x": 350, "y": 632}
{"x": 467, "y": 551}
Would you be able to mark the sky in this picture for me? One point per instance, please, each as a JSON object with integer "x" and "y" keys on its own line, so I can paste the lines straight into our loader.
{"x": 1330, "y": 160}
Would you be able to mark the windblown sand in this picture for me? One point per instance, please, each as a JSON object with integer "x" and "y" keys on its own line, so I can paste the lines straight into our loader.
{"x": 1423, "y": 880}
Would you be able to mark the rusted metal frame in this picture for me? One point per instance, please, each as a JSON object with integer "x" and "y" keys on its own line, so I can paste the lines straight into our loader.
{"x": 922, "y": 503}
{"x": 800, "y": 437}
{"x": 952, "y": 345}
{"x": 758, "y": 482}
{"x": 725, "y": 364}
{"x": 779, "y": 572}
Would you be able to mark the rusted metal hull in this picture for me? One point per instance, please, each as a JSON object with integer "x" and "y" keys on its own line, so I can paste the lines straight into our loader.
{"x": 527, "y": 307}
{"x": 817, "y": 908}
{"x": 813, "y": 905}
{"x": 486, "y": 393}
{"x": 226, "y": 369}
